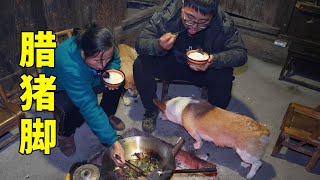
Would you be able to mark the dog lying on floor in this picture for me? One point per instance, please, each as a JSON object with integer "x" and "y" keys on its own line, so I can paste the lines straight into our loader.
{"x": 224, "y": 128}
{"x": 127, "y": 56}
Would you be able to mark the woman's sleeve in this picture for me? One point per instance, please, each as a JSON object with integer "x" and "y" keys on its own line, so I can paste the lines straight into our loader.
{"x": 82, "y": 95}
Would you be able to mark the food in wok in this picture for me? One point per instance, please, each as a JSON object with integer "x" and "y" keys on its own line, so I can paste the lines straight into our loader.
{"x": 147, "y": 163}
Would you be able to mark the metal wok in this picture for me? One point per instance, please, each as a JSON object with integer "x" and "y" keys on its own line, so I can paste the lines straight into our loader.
{"x": 152, "y": 147}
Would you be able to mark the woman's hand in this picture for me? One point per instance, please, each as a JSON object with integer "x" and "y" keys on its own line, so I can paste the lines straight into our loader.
{"x": 202, "y": 67}
{"x": 117, "y": 149}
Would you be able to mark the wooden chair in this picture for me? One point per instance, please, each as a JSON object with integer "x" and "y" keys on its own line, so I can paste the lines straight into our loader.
{"x": 63, "y": 35}
{"x": 10, "y": 112}
{"x": 301, "y": 123}
{"x": 10, "y": 115}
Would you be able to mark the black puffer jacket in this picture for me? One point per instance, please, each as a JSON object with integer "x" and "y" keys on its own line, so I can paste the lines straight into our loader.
{"x": 222, "y": 37}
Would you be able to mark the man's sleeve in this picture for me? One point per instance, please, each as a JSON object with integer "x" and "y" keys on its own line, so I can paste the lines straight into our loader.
{"x": 148, "y": 41}
{"x": 235, "y": 53}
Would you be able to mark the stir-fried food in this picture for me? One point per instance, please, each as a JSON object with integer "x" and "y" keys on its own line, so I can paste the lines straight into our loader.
{"x": 141, "y": 160}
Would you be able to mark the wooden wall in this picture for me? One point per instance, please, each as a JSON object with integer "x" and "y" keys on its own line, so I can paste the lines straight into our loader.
{"x": 8, "y": 37}
{"x": 17, "y": 16}
{"x": 270, "y": 12}
{"x": 62, "y": 14}
{"x": 258, "y": 10}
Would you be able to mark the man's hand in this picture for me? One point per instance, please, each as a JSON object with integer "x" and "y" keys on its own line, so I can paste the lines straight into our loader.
{"x": 202, "y": 67}
{"x": 117, "y": 149}
{"x": 167, "y": 40}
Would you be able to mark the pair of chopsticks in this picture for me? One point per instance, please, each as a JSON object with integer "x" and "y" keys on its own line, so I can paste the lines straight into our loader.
{"x": 177, "y": 33}
{"x": 199, "y": 170}
{"x": 131, "y": 166}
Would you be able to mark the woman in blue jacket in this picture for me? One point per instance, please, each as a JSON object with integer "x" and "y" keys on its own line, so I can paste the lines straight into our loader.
{"x": 79, "y": 62}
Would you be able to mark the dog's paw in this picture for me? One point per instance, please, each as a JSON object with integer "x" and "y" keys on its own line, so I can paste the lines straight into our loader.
{"x": 197, "y": 145}
{"x": 244, "y": 164}
{"x": 250, "y": 175}
{"x": 254, "y": 168}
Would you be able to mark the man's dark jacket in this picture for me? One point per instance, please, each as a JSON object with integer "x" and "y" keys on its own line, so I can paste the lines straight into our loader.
{"x": 222, "y": 38}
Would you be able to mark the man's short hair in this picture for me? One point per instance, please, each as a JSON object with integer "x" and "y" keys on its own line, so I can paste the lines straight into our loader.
{"x": 203, "y": 6}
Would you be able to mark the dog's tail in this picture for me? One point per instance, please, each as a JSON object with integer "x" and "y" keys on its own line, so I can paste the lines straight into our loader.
{"x": 264, "y": 139}
{"x": 264, "y": 135}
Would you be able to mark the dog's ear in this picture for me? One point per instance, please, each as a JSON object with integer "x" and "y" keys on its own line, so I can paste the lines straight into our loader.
{"x": 161, "y": 105}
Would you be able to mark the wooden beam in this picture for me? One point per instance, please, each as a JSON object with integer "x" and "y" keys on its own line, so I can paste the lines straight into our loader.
{"x": 147, "y": 2}
{"x": 139, "y": 17}
{"x": 130, "y": 28}
{"x": 297, "y": 148}
{"x": 308, "y": 7}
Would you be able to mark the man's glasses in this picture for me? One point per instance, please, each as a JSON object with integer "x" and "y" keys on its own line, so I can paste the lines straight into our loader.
{"x": 190, "y": 22}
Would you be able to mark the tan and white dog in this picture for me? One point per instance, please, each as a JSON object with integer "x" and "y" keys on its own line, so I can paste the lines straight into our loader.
{"x": 204, "y": 121}
{"x": 127, "y": 56}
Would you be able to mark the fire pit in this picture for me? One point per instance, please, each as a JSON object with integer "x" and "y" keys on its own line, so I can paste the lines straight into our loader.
{"x": 184, "y": 160}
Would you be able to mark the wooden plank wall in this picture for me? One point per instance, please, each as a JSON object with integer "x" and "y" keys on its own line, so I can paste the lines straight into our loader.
{"x": 247, "y": 8}
{"x": 59, "y": 14}
{"x": 62, "y": 14}
{"x": 17, "y": 16}
{"x": 110, "y": 13}
{"x": 264, "y": 11}
{"x": 8, "y": 38}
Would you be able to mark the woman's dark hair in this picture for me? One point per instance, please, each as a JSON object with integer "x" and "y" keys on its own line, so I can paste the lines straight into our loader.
{"x": 203, "y": 6}
{"x": 94, "y": 39}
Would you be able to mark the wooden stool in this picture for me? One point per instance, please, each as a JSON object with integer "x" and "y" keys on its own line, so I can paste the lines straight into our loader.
{"x": 10, "y": 115}
{"x": 165, "y": 88}
{"x": 301, "y": 123}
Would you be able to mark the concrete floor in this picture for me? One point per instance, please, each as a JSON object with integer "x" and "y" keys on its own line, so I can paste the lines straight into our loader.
{"x": 257, "y": 93}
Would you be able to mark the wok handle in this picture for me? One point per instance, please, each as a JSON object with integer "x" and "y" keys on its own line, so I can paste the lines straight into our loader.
{"x": 177, "y": 146}
{"x": 201, "y": 170}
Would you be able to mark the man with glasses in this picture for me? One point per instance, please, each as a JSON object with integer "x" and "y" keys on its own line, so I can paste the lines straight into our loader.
{"x": 180, "y": 26}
